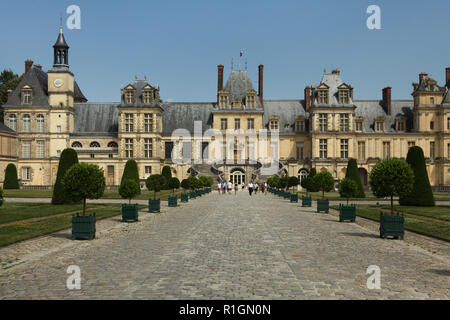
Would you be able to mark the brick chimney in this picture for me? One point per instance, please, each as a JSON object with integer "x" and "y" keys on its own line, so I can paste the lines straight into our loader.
{"x": 219, "y": 78}
{"x": 421, "y": 76}
{"x": 447, "y": 77}
{"x": 28, "y": 65}
{"x": 387, "y": 100}
{"x": 260, "y": 83}
{"x": 307, "y": 98}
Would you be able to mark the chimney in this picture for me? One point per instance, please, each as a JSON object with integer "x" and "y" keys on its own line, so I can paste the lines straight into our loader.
{"x": 336, "y": 71}
{"x": 387, "y": 100}
{"x": 447, "y": 77}
{"x": 421, "y": 76}
{"x": 28, "y": 64}
{"x": 307, "y": 98}
{"x": 38, "y": 66}
{"x": 9, "y": 94}
{"x": 260, "y": 83}
{"x": 219, "y": 78}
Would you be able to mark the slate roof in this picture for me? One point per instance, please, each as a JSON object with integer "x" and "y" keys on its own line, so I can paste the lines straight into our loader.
{"x": 38, "y": 81}
{"x": 333, "y": 81}
{"x": 287, "y": 111}
{"x": 183, "y": 115}
{"x": 96, "y": 117}
{"x": 139, "y": 85}
{"x": 238, "y": 84}
{"x": 4, "y": 128}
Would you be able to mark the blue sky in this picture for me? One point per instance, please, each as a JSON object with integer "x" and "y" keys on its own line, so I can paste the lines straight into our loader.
{"x": 180, "y": 43}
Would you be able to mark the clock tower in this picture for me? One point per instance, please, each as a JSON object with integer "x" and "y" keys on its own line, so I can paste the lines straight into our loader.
{"x": 61, "y": 97}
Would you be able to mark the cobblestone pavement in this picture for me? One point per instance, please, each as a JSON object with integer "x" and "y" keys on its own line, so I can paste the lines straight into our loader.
{"x": 225, "y": 247}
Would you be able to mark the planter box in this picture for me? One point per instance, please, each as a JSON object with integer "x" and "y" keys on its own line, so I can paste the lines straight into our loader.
{"x": 184, "y": 197}
{"x": 294, "y": 197}
{"x": 173, "y": 201}
{"x": 130, "y": 212}
{"x": 347, "y": 213}
{"x": 286, "y": 195}
{"x": 154, "y": 205}
{"x": 192, "y": 195}
{"x": 306, "y": 201}
{"x": 83, "y": 227}
{"x": 323, "y": 206}
{"x": 392, "y": 226}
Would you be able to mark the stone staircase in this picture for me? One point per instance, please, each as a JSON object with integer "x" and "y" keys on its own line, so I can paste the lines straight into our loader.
{"x": 207, "y": 170}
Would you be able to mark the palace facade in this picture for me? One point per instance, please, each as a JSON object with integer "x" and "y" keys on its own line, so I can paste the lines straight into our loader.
{"x": 47, "y": 113}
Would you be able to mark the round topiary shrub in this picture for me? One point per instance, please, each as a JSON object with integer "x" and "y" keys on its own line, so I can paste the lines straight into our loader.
{"x": 129, "y": 189}
{"x": 155, "y": 183}
{"x": 174, "y": 183}
{"x": 131, "y": 171}
{"x": 185, "y": 184}
{"x": 11, "y": 181}
{"x": 347, "y": 189}
{"x": 324, "y": 181}
{"x": 67, "y": 159}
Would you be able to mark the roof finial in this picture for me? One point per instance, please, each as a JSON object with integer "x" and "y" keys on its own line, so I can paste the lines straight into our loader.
{"x": 60, "y": 23}
{"x": 136, "y": 77}
{"x": 324, "y": 70}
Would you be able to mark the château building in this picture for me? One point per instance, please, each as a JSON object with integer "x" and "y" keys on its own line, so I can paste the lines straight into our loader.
{"x": 48, "y": 112}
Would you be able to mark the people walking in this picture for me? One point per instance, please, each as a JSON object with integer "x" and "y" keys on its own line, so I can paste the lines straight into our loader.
{"x": 255, "y": 187}
{"x": 263, "y": 188}
{"x": 219, "y": 187}
{"x": 224, "y": 187}
{"x": 236, "y": 188}
{"x": 250, "y": 188}
{"x": 230, "y": 187}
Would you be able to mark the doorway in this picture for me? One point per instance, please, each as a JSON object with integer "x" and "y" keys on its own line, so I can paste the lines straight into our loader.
{"x": 237, "y": 176}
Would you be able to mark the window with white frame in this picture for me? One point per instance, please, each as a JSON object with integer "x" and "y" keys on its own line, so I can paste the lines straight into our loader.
{"x": 223, "y": 124}
{"x": 26, "y": 123}
{"x": 148, "y": 122}
{"x": 130, "y": 96}
{"x": 344, "y": 122}
{"x": 26, "y": 174}
{"x": 323, "y": 122}
{"x": 323, "y": 149}
{"x": 250, "y": 124}
{"x": 344, "y": 96}
{"x": 323, "y": 96}
{"x": 359, "y": 126}
{"x": 40, "y": 123}
{"x": 300, "y": 125}
{"x": 344, "y": 148}
{"x": 129, "y": 148}
{"x": 26, "y": 149}
{"x": 147, "y": 96}
{"x": 27, "y": 96}
{"x": 379, "y": 126}
{"x": 237, "y": 124}
{"x": 148, "y": 148}
{"x": 40, "y": 149}
{"x": 13, "y": 122}
{"x": 129, "y": 122}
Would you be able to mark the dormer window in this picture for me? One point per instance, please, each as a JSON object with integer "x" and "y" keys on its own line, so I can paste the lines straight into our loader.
{"x": 223, "y": 100}
{"x": 300, "y": 125}
{"x": 147, "y": 95}
{"x": 130, "y": 95}
{"x": 27, "y": 95}
{"x": 250, "y": 102}
{"x": 344, "y": 96}
{"x": 400, "y": 124}
{"x": 379, "y": 125}
{"x": 323, "y": 96}
{"x": 274, "y": 124}
{"x": 359, "y": 125}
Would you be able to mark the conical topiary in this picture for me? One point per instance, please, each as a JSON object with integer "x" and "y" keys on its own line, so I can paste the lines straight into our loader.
{"x": 131, "y": 171}
{"x": 421, "y": 195}
{"x": 11, "y": 181}
{"x": 167, "y": 174}
{"x": 67, "y": 159}
{"x": 353, "y": 173}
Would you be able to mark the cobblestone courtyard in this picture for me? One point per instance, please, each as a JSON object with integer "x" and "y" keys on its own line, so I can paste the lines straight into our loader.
{"x": 224, "y": 247}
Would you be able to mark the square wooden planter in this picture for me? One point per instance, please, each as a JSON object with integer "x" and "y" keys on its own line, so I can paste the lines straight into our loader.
{"x": 173, "y": 201}
{"x": 83, "y": 227}
{"x": 192, "y": 195}
{"x": 323, "y": 206}
{"x": 294, "y": 197}
{"x": 184, "y": 197}
{"x": 130, "y": 212}
{"x": 347, "y": 213}
{"x": 154, "y": 206}
{"x": 306, "y": 201}
{"x": 392, "y": 226}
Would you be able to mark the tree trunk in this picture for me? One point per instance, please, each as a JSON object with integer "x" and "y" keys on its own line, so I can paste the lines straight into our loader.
{"x": 84, "y": 206}
{"x": 323, "y": 195}
{"x": 392, "y": 205}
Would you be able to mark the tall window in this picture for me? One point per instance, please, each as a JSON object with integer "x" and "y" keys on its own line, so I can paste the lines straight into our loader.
{"x": 448, "y": 150}
{"x": 40, "y": 123}
{"x": 431, "y": 125}
{"x": 40, "y": 149}
{"x": 323, "y": 96}
{"x": 379, "y": 126}
{"x": 448, "y": 123}
{"x": 148, "y": 122}
{"x": 146, "y": 96}
{"x": 129, "y": 148}
{"x": 27, "y": 95}
{"x": 274, "y": 124}
{"x": 26, "y": 149}
{"x": 361, "y": 150}
{"x": 224, "y": 124}
{"x": 302, "y": 175}
{"x": 250, "y": 124}
{"x": 148, "y": 148}
{"x": 299, "y": 151}
{"x": 323, "y": 122}
{"x": 186, "y": 151}
{"x": 251, "y": 101}
{"x": 13, "y": 122}
{"x": 129, "y": 96}
{"x": 400, "y": 125}
{"x": 300, "y": 126}
{"x": 432, "y": 150}
{"x": 129, "y": 122}
{"x": 359, "y": 126}
{"x": 223, "y": 101}
{"x": 237, "y": 124}
{"x": 26, "y": 174}
{"x": 344, "y": 96}
{"x": 323, "y": 148}
{"x": 344, "y": 126}
{"x": 168, "y": 147}
{"x": 344, "y": 148}
{"x": 26, "y": 123}
{"x": 386, "y": 149}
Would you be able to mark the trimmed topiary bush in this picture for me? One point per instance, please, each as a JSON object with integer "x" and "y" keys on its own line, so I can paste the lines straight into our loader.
{"x": 347, "y": 189}
{"x": 353, "y": 173}
{"x": 174, "y": 183}
{"x": 131, "y": 171}
{"x": 129, "y": 189}
{"x": 67, "y": 159}
{"x": 324, "y": 181}
{"x": 293, "y": 182}
{"x": 155, "y": 183}
{"x": 421, "y": 194}
{"x": 11, "y": 181}
{"x": 167, "y": 174}
{"x": 185, "y": 184}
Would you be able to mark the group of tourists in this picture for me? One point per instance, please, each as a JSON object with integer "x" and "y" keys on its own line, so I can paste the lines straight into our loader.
{"x": 224, "y": 187}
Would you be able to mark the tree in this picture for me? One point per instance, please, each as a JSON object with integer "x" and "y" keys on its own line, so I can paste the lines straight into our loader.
{"x": 421, "y": 194}
{"x": 174, "y": 183}
{"x": 131, "y": 171}
{"x": 84, "y": 181}
{"x": 185, "y": 184}
{"x": 167, "y": 174}
{"x": 209, "y": 181}
{"x": 283, "y": 182}
{"x": 8, "y": 81}
{"x": 324, "y": 181}
{"x": 1, "y": 197}
{"x": 273, "y": 181}
{"x": 11, "y": 181}
{"x": 292, "y": 182}
{"x": 155, "y": 183}
{"x": 67, "y": 159}
{"x": 308, "y": 182}
{"x": 129, "y": 189}
{"x": 347, "y": 189}
{"x": 353, "y": 173}
{"x": 391, "y": 177}
{"x": 194, "y": 182}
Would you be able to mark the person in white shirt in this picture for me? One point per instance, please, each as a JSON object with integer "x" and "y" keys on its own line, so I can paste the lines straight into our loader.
{"x": 250, "y": 188}
{"x": 230, "y": 187}
{"x": 219, "y": 187}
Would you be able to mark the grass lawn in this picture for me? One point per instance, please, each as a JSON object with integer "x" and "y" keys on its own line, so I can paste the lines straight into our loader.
{"x": 413, "y": 223}
{"x": 20, "y": 232}
{"x": 438, "y": 212}
{"x": 335, "y": 196}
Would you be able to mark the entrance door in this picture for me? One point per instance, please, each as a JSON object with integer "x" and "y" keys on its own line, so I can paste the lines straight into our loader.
{"x": 110, "y": 177}
{"x": 238, "y": 177}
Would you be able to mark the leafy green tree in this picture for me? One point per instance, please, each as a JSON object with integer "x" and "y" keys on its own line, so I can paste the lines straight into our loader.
{"x": 324, "y": 181}
{"x": 174, "y": 183}
{"x": 209, "y": 181}
{"x": 11, "y": 181}
{"x": 1, "y": 197}
{"x": 283, "y": 183}
{"x": 155, "y": 182}
{"x": 293, "y": 182}
{"x": 347, "y": 189}
{"x": 131, "y": 171}
{"x": 129, "y": 189}
{"x": 308, "y": 182}
{"x": 84, "y": 181}
{"x": 67, "y": 159}
{"x": 391, "y": 177}
{"x": 353, "y": 173}
{"x": 273, "y": 181}
{"x": 194, "y": 182}
{"x": 8, "y": 81}
{"x": 185, "y": 184}
{"x": 167, "y": 174}
{"x": 421, "y": 194}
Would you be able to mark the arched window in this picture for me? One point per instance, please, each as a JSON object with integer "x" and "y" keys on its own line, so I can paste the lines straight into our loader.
{"x": 26, "y": 123}
{"x": 77, "y": 144}
{"x": 40, "y": 123}
{"x": 13, "y": 122}
{"x": 112, "y": 144}
{"x": 302, "y": 174}
{"x": 94, "y": 144}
